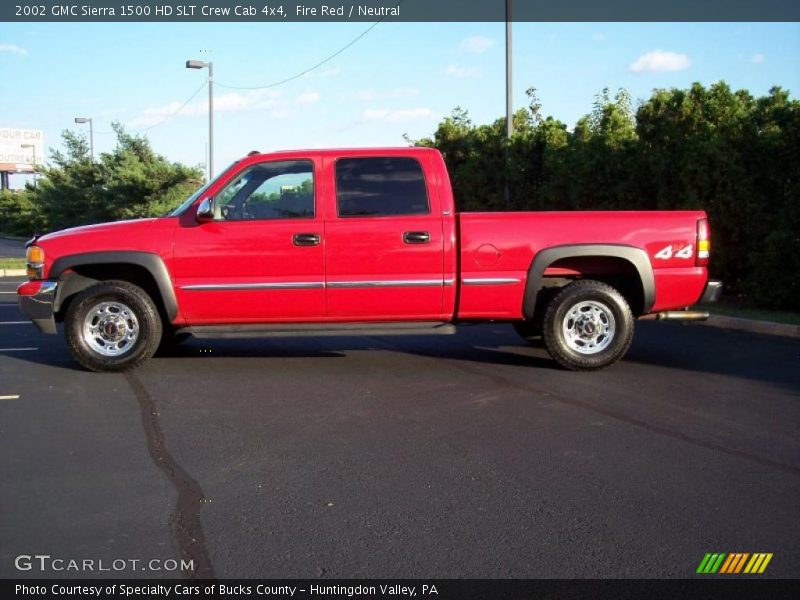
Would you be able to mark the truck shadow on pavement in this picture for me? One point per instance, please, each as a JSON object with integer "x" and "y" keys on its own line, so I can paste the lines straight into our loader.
{"x": 690, "y": 348}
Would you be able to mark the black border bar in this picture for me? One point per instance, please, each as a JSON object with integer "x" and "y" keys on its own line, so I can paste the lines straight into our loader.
{"x": 445, "y": 589}
{"x": 195, "y": 11}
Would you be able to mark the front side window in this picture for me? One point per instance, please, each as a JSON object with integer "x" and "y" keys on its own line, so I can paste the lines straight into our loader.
{"x": 380, "y": 187}
{"x": 270, "y": 190}
{"x": 191, "y": 199}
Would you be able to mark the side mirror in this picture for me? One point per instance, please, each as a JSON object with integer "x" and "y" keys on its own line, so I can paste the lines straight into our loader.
{"x": 205, "y": 212}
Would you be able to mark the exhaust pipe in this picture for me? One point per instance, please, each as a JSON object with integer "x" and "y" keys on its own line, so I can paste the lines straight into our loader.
{"x": 682, "y": 315}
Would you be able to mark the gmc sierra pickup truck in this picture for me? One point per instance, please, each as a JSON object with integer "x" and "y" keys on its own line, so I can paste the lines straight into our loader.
{"x": 361, "y": 242}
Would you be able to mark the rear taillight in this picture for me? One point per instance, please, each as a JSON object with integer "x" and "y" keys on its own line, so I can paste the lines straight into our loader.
{"x": 703, "y": 242}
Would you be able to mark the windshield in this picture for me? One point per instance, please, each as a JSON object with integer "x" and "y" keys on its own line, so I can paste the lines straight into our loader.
{"x": 191, "y": 199}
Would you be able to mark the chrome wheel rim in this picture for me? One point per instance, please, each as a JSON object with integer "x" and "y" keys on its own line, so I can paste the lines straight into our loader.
{"x": 111, "y": 329}
{"x": 588, "y": 327}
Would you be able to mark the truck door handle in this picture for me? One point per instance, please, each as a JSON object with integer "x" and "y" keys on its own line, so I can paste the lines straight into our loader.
{"x": 306, "y": 239}
{"x": 416, "y": 237}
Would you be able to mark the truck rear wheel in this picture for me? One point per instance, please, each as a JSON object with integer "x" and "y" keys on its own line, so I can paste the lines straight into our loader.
{"x": 112, "y": 326}
{"x": 587, "y": 326}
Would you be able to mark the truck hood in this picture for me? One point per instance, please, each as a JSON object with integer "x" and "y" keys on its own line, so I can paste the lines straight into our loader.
{"x": 151, "y": 236}
{"x": 114, "y": 228}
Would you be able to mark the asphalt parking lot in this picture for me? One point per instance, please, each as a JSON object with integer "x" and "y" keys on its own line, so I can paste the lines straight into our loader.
{"x": 455, "y": 456}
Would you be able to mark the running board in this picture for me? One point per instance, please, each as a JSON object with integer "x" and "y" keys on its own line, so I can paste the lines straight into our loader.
{"x": 678, "y": 315}
{"x": 319, "y": 329}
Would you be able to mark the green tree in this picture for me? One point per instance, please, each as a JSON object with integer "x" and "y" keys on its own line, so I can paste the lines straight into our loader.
{"x": 711, "y": 148}
{"x": 18, "y": 214}
{"x": 129, "y": 182}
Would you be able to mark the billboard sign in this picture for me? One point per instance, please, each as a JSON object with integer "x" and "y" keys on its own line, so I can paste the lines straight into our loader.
{"x": 20, "y": 148}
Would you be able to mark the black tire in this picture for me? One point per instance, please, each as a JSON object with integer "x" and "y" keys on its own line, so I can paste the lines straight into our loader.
{"x": 124, "y": 332}
{"x": 587, "y": 326}
{"x": 529, "y": 331}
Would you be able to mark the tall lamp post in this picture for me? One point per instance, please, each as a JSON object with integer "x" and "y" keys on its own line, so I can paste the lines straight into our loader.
{"x": 33, "y": 149}
{"x": 509, "y": 100}
{"x": 91, "y": 133}
{"x": 199, "y": 64}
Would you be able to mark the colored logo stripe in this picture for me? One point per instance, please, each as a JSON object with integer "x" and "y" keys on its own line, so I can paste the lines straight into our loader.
{"x": 732, "y": 558}
{"x": 710, "y": 563}
{"x": 758, "y": 563}
{"x": 734, "y": 563}
{"x": 721, "y": 562}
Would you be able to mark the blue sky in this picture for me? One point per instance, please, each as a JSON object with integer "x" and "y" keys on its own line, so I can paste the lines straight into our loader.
{"x": 399, "y": 78}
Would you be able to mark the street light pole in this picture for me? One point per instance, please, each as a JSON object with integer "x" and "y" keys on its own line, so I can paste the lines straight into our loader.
{"x": 91, "y": 133}
{"x": 509, "y": 102}
{"x": 210, "y": 120}
{"x": 33, "y": 149}
{"x": 199, "y": 64}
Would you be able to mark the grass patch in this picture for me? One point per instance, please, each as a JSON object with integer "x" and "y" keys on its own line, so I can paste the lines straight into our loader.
{"x": 12, "y": 263}
{"x": 758, "y": 314}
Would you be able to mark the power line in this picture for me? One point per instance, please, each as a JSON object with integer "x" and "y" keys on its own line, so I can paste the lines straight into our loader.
{"x": 308, "y": 70}
{"x": 262, "y": 87}
{"x": 179, "y": 109}
{"x": 165, "y": 119}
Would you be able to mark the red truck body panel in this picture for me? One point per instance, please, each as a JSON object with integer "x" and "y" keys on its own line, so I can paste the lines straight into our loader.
{"x": 136, "y": 235}
{"x": 474, "y": 266}
{"x": 493, "y": 245}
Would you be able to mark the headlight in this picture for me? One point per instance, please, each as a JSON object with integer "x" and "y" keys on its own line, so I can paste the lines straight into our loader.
{"x": 35, "y": 259}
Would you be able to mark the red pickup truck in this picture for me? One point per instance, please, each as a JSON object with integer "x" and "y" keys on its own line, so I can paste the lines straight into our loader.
{"x": 361, "y": 242}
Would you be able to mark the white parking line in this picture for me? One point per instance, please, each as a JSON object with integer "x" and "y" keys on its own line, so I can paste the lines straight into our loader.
{"x": 8, "y": 292}
{"x": 14, "y": 397}
{"x": 17, "y": 349}
{"x": 16, "y": 322}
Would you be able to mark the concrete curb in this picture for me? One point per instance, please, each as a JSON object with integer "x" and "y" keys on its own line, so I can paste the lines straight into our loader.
{"x": 12, "y": 272}
{"x": 753, "y": 326}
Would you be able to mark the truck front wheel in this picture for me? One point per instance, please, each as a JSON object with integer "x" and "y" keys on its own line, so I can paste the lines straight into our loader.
{"x": 112, "y": 326}
{"x": 587, "y": 326}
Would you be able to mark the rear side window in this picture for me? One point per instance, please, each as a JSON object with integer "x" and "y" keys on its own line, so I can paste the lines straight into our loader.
{"x": 380, "y": 187}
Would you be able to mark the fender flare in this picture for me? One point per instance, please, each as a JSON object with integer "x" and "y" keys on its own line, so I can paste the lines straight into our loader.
{"x": 151, "y": 262}
{"x": 544, "y": 258}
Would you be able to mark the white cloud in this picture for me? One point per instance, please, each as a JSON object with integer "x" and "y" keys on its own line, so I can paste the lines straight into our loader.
{"x": 371, "y": 95}
{"x": 112, "y": 112}
{"x": 13, "y": 49}
{"x": 371, "y": 114}
{"x": 366, "y": 95}
{"x": 461, "y": 72}
{"x": 659, "y": 60}
{"x": 230, "y": 102}
{"x": 235, "y": 102}
{"x": 477, "y": 44}
{"x": 395, "y": 116}
{"x": 156, "y": 114}
{"x": 599, "y": 37}
{"x": 757, "y": 58}
{"x": 308, "y": 98}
